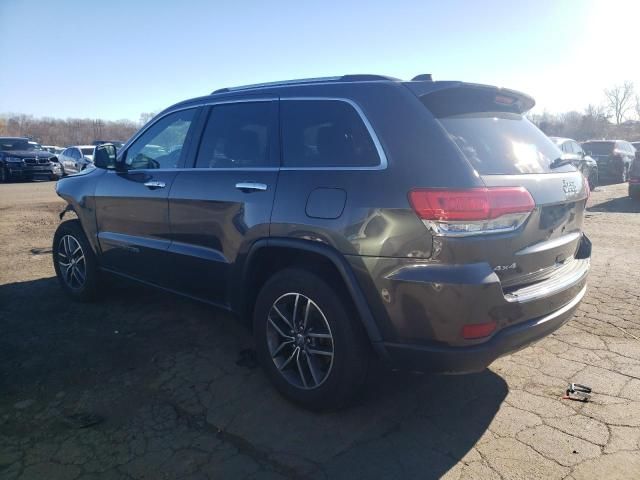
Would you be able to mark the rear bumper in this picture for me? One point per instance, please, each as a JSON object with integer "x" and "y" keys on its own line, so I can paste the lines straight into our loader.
{"x": 421, "y": 309}
{"x": 446, "y": 359}
{"x": 611, "y": 168}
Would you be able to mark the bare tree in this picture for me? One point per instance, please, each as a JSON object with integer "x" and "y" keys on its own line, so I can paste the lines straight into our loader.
{"x": 619, "y": 100}
{"x": 145, "y": 117}
{"x": 638, "y": 106}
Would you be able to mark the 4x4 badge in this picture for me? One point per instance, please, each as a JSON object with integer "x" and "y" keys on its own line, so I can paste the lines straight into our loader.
{"x": 569, "y": 187}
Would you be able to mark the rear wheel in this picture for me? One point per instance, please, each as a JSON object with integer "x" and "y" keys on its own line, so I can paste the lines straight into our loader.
{"x": 74, "y": 262}
{"x": 314, "y": 351}
{"x": 4, "y": 175}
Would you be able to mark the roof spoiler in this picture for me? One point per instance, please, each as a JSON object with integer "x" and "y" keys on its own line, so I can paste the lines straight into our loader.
{"x": 470, "y": 97}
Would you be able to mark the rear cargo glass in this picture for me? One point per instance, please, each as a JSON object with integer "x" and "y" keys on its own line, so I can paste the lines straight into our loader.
{"x": 598, "y": 148}
{"x": 499, "y": 143}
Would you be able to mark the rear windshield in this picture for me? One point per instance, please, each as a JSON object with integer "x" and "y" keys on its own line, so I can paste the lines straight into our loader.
{"x": 598, "y": 148}
{"x": 502, "y": 143}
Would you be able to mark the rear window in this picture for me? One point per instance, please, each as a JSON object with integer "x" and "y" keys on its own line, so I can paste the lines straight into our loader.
{"x": 502, "y": 143}
{"x": 325, "y": 133}
{"x": 598, "y": 148}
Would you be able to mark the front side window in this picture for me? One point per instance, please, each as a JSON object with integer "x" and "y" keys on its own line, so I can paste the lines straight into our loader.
{"x": 161, "y": 145}
{"x": 325, "y": 133}
{"x": 238, "y": 135}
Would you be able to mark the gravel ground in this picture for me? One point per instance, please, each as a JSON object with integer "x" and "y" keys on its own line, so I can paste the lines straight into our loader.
{"x": 145, "y": 385}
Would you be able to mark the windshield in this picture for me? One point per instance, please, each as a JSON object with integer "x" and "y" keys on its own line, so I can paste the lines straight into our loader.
{"x": 502, "y": 143}
{"x": 598, "y": 148}
{"x": 14, "y": 144}
{"x": 87, "y": 151}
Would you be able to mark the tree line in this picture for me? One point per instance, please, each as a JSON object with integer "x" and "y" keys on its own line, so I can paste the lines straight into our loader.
{"x": 70, "y": 131}
{"x": 617, "y": 116}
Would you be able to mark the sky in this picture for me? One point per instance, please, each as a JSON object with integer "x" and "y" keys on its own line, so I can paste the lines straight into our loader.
{"x": 115, "y": 59}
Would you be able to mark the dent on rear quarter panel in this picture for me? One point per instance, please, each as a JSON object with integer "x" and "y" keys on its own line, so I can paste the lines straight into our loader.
{"x": 78, "y": 191}
{"x": 377, "y": 219}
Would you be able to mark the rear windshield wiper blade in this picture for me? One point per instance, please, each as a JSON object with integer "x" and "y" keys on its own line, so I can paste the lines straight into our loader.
{"x": 559, "y": 162}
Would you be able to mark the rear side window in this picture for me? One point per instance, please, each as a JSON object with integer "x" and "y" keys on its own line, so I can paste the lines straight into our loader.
{"x": 325, "y": 133}
{"x": 238, "y": 135}
{"x": 502, "y": 143}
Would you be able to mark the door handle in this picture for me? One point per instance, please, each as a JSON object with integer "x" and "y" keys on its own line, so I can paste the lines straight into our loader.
{"x": 251, "y": 187}
{"x": 154, "y": 184}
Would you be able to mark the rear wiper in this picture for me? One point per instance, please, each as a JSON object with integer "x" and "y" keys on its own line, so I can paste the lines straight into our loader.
{"x": 559, "y": 162}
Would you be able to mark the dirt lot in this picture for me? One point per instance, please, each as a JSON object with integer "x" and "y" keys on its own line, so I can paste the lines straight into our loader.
{"x": 145, "y": 385}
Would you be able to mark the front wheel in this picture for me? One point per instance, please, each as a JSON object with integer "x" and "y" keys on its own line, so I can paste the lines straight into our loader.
{"x": 593, "y": 180}
{"x": 4, "y": 176}
{"x": 308, "y": 342}
{"x": 624, "y": 175}
{"x": 74, "y": 262}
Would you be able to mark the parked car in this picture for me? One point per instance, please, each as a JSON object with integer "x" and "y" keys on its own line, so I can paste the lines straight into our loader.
{"x": 19, "y": 159}
{"x": 573, "y": 153}
{"x": 115, "y": 143}
{"x": 614, "y": 157}
{"x": 77, "y": 158}
{"x": 342, "y": 218}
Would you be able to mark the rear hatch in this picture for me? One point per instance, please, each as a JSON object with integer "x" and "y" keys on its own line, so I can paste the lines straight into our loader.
{"x": 536, "y": 201}
{"x": 601, "y": 151}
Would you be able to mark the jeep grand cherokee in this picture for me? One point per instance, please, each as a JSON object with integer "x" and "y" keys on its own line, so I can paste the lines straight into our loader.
{"x": 427, "y": 223}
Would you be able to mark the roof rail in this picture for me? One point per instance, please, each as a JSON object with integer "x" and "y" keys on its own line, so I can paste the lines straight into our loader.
{"x": 303, "y": 81}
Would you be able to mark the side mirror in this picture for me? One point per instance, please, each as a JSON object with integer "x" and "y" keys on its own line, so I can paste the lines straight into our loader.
{"x": 105, "y": 156}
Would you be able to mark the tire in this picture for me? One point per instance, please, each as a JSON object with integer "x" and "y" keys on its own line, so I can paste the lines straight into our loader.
{"x": 624, "y": 175}
{"x": 326, "y": 373}
{"x": 80, "y": 279}
{"x": 4, "y": 175}
{"x": 593, "y": 179}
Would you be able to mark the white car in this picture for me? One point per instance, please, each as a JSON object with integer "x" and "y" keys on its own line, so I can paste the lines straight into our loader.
{"x": 77, "y": 158}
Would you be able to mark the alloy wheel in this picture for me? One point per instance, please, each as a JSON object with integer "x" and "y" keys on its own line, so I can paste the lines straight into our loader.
{"x": 72, "y": 263}
{"x": 300, "y": 341}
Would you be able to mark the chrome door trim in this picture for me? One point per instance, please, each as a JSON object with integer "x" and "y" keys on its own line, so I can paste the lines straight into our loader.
{"x": 372, "y": 133}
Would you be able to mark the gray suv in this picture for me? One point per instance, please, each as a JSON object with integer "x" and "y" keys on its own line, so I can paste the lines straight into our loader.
{"x": 426, "y": 224}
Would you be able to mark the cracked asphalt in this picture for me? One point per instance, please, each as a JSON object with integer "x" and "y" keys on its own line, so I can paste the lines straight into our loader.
{"x": 145, "y": 385}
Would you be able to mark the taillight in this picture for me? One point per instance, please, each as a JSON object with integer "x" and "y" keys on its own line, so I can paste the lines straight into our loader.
{"x": 585, "y": 185}
{"x": 472, "y": 211}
